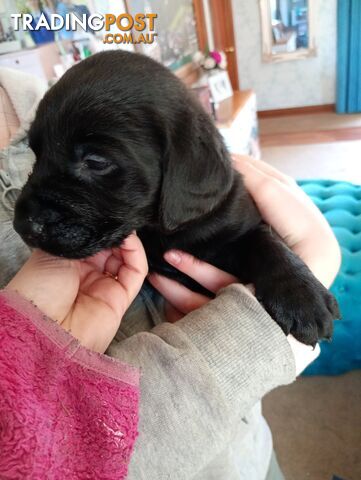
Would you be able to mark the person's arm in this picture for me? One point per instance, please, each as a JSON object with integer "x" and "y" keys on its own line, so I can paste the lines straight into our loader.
{"x": 61, "y": 405}
{"x": 65, "y": 410}
{"x": 223, "y": 357}
{"x": 200, "y": 377}
{"x": 293, "y": 215}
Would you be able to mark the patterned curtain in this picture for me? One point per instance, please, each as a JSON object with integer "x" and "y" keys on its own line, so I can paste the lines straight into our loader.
{"x": 349, "y": 56}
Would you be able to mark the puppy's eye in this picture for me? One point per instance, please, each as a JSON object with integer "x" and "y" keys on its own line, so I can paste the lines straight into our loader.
{"x": 96, "y": 162}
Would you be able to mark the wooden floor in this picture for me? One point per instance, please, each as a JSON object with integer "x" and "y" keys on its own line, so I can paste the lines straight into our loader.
{"x": 324, "y": 145}
{"x": 309, "y": 128}
{"x": 309, "y": 137}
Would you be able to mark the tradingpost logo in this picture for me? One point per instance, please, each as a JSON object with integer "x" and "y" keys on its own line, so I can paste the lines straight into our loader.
{"x": 136, "y": 29}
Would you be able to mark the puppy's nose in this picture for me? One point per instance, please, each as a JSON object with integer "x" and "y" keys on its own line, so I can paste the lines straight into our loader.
{"x": 29, "y": 228}
{"x": 33, "y": 225}
{"x": 36, "y": 227}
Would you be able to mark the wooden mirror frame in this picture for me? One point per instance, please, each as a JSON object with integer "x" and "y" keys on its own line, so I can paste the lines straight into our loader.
{"x": 267, "y": 40}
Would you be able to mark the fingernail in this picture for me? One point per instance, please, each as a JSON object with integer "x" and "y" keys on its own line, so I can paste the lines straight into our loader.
{"x": 173, "y": 257}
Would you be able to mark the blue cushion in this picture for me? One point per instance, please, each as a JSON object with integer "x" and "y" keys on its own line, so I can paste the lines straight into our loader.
{"x": 340, "y": 202}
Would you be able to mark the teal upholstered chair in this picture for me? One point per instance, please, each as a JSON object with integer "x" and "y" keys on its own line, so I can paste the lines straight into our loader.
{"x": 340, "y": 202}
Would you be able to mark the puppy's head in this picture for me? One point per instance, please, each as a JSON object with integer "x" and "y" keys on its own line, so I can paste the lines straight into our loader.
{"x": 120, "y": 144}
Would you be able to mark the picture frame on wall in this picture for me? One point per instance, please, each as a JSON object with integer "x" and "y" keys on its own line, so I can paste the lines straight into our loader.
{"x": 220, "y": 86}
{"x": 177, "y": 40}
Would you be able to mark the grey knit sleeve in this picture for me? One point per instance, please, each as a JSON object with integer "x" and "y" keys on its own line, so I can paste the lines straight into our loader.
{"x": 200, "y": 377}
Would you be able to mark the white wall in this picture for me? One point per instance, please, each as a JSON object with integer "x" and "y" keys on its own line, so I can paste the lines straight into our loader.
{"x": 296, "y": 83}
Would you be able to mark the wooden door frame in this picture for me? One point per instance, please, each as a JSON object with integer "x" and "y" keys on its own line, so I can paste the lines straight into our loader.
{"x": 223, "y": 34}
{"x": 200, "y": 24}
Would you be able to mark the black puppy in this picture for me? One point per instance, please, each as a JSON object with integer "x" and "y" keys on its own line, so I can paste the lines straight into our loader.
{"x": 121, "y": 145}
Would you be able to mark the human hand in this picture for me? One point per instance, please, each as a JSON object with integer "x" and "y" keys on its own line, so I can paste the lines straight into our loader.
{"x": 86, "y": 297}
{"x": 295, "y": 218}
{"x": 293, "y": 215}
{"x": 180, "y": 300}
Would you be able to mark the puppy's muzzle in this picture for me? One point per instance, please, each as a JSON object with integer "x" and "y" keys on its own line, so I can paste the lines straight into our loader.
{"x": 45, "y": 227}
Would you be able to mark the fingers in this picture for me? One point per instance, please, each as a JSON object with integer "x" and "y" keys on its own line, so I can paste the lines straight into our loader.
{"x": 241, "y": 162}
{"x": 205, "y": 274}
{"x": 265, "y": 183}
{"x": 172, "y": 315}
{"x": 179, "y": 296}
{"x": 282, "y": 204}
{"x": 133, "y": 265}
{"x": 113, "y": 263}
{"x": 127, "y": 266}
{"x": 263, "y": 180}
{"x": 257, "y": 178}
{"x": 98, "y": 260}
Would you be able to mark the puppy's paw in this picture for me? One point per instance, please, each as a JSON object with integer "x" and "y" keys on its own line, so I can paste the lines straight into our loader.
{"x": 302, "y": 307}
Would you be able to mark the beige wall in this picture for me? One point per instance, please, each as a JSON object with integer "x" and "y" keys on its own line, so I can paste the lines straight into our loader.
{"x": 290, "y": 84}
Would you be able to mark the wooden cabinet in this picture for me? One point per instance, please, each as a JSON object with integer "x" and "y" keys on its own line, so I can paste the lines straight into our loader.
{"x": 236, "y": 119}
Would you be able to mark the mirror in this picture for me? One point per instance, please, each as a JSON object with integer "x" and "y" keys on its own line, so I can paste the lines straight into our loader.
{"x": 287, "y": 29}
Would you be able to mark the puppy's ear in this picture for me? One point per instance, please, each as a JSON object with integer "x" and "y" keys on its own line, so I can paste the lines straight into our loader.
{"x": 197, "y": 175}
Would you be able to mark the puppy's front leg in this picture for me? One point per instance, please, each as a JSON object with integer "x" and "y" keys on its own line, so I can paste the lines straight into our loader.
{"x": 286, "y": 287}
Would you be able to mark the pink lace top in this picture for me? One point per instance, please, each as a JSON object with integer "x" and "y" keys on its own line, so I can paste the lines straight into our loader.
{"x": 65, "y": 412}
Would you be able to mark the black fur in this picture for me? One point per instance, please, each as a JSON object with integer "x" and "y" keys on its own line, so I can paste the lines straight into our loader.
{"x": 121, "y": 145}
